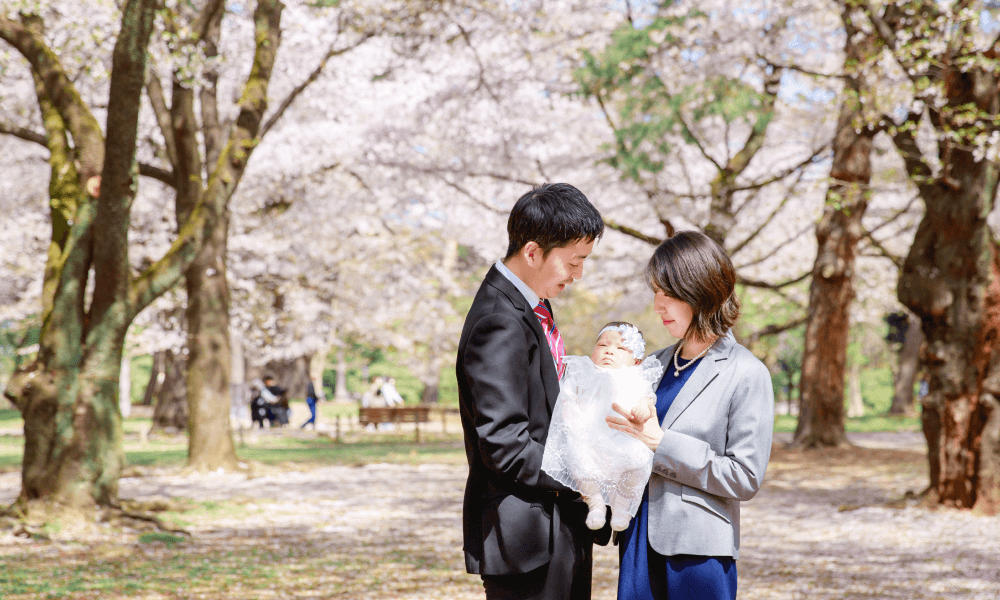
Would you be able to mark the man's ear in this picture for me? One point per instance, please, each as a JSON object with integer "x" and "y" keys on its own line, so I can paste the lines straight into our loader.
{"x": 532, "y": 253}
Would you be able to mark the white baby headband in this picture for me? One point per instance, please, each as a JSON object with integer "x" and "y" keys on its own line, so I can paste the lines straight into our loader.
{"x": 631, "y": 338}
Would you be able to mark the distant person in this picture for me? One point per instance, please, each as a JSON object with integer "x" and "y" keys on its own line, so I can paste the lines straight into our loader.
{"x": 279, "y": 407}
{"x": 311, "y": 400}
{"x": 711, "y": 436}
{"x": 372, "y": 396}
{"x": 262, "y": 403}
{"x": 390, "y": 394}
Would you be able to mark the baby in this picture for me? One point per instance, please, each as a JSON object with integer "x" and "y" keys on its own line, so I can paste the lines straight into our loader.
{"x": 606, "y": 466}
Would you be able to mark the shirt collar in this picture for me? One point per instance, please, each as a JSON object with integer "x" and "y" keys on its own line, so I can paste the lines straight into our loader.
{"x": 528, "y": 293}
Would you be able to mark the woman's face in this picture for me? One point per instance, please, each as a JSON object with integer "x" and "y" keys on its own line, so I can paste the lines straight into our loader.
{"x": 675, "y": 314}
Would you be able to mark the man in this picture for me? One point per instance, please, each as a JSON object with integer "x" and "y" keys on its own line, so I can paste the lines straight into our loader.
{"x": 311, "y": 399}
{"x": 524, "y": 532}
{"x": 278, "y": 402}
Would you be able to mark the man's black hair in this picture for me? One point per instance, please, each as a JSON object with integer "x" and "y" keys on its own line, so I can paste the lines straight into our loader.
{"x": 552, "y": 215}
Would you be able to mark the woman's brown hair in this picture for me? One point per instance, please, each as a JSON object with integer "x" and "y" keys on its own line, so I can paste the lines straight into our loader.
{"x": 692, "y": 268}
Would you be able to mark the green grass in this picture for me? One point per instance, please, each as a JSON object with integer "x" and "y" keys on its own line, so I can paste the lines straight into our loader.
{"x": 787, "y": 423}
{"x": 10, "y": 418}
{"x": 11, "y": 450}
{"x": 356, "y": 447}
{"x": 147, "y": 571}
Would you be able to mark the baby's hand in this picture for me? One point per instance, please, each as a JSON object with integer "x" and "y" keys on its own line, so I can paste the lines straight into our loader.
{"x": 645, "y": 411}
{"x": 641, "y": 412}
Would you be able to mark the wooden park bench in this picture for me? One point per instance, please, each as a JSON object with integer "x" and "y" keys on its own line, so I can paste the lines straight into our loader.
{"x": 376, "y": 415}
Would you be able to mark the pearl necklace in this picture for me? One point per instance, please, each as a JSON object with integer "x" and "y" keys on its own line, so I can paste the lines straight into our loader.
{"x": 677, "y": 352}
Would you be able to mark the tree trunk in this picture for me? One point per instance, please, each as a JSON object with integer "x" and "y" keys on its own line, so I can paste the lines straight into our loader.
{"x": 431, "y": 378}
{"x": 855, "y": 399}
{"x": 125, "y": 387}
{"x": 950, "y": 279}
{"x": 170, "y": 411}
{"x": 430, "y": 394}
{"x": 908, "y": 361}
{"x": 69, "y": 395}
{"x": 821, "y": 387}
{"x": 209, "y": 397}
{"x": 156, "y": 376}
{"x": 340, "y": 388}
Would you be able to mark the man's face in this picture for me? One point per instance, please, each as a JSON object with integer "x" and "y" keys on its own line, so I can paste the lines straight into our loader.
{"x": 610, "y": 351}
{"x": 562, "y": 266}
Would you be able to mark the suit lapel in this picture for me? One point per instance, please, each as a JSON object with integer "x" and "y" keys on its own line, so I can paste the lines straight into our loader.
{"x": 704, "y": 373}
{"x": 550, "y": 379}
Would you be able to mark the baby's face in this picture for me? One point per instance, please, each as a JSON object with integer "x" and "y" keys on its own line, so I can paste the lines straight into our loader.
{"x": 610, "y": 351}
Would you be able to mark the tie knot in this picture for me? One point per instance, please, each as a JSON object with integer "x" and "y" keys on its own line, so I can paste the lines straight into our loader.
{"x": 543, "y": 312}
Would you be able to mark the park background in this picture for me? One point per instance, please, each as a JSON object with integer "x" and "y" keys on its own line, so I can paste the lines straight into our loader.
{"x": 201, "y": 192}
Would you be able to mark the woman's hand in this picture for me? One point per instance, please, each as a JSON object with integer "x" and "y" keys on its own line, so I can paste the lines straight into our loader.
{"x": 644, "y": 428}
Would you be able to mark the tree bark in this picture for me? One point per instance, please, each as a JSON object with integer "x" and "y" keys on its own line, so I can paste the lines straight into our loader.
{"x": 157, "y": 374}
{"x": 69, "y": 395}
{"x": 210, "y": 443}
{"x": 908, "y": 361}
{"x": 210, "y": 393}
{"x": 430, "y": 394}
{"x": 950, "y": 280}
{"x": 170, "y": 411}
{"x": 821, "y": 388}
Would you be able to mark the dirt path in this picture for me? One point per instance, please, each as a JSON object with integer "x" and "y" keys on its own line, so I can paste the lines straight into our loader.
{"x": 820, "y": 529}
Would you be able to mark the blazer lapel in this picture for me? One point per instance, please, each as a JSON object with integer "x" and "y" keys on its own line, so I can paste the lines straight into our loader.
{"x": 704, "y": 373}
{"x": 550, "y": 379}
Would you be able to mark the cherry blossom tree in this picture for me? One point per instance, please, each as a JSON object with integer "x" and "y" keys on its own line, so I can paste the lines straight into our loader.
{"x": 68, "y": 395}
{"x": 945, "y": 126}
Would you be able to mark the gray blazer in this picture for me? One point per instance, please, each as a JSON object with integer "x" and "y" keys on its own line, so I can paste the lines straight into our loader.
{"x": 715, "y": 448}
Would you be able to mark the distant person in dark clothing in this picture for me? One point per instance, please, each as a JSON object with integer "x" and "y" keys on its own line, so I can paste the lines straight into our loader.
{"x": 311, "y": 400}
{"x": 279, "y": 408}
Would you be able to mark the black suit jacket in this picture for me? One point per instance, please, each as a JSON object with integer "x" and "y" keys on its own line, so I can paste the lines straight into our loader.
{"x": 507, "y": 387}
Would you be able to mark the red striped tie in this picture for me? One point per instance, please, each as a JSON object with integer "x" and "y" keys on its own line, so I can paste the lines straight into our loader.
{"x": 552, "y": 335}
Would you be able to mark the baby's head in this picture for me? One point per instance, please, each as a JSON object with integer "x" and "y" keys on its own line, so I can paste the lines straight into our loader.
{"x": 619, "y": 344}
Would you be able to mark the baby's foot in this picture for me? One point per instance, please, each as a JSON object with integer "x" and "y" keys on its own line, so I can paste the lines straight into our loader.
{"x": 595, "y": 518}
{"x": 619, "y": 520}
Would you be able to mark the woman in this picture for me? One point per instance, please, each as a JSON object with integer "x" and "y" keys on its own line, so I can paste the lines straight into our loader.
{"x": 712, "y": 440}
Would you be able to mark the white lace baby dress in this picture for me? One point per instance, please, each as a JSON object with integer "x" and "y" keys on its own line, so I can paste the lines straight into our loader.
{"x": 581, "y": 450}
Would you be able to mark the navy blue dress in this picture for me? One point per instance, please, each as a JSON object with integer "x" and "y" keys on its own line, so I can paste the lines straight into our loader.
{"x": 645, "y": 574}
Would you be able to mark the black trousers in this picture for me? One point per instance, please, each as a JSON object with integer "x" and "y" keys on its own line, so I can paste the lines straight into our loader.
{"x": 566, "y": 577}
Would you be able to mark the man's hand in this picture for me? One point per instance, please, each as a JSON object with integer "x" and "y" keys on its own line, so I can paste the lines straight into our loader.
{"x": 639, "y": 424}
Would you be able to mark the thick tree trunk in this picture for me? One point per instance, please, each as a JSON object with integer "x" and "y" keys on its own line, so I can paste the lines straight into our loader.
{"x": 908, "y": 362}
{"x": 821, "y": 388}
{"x": 170, "y": 411}
{"x": 69, "y": 395}
{"x": 950, "y": 279}
{"x": 210, "y": 442}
